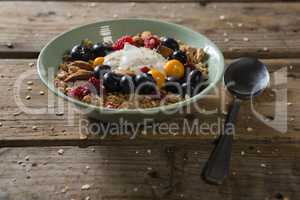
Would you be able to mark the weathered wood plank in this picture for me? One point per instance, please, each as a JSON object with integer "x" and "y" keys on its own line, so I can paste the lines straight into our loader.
{"x": 50, "y": 129}
{"x": 148, "y": 171}
{"x": 28, "y": 26}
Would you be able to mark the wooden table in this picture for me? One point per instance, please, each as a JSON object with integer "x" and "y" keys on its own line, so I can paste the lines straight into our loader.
{"x": 43, "y": 156}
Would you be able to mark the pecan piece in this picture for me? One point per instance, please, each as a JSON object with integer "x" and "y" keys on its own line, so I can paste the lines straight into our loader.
{"x": 165, "y": 51}
{"x": 83, "y": 65}
{"x": 79, "y": 75}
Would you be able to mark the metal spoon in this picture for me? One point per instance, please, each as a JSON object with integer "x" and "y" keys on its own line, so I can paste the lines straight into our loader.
{"x": 244, "y": 79}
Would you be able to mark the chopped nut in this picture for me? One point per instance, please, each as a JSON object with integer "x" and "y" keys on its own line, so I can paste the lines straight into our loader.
{"x": 83, "y": 65}
{"x": 87, "y": 99}
{"x": 145, "y": 34}
{"x": 164, "y": 51}
{"x": 138, "y": 41}
{"x": 79, "y": 75}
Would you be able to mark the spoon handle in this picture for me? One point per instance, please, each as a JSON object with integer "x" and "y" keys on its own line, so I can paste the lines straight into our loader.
{"x": 217, "y": 166}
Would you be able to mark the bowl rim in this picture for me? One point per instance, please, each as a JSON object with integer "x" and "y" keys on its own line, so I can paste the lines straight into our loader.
{"x": 177, "y": 105}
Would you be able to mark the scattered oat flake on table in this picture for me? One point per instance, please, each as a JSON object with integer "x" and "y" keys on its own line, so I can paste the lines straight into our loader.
{"x": 1, "y": 124}
{"x": 135, "y": 189}
{"x": 242, "y": 153}
{"x": 34, "y": 128}
{"x": 221, "y": 17}
{"x": 246, "y": 39}
{"x": 60, "y": 151}
{"x": 132, "y": 4}
{"x": 30, "y": 64}
{"x": 226, "y": 40}
{"x": 27, "y": 158}
{"x": 263, "y": 165}
{"x": 42, "y": 92}
{"x": 289, "y": 103}
{"x": 59, "y": 113}
{"x": 265, "y": 49}
{"x": 28, "y": 97}
{"x": 85, "y": 187}
{"x": 240, "y": 24}
{"x": 87, "y": 198}
{"x": 29, "y": 83}
{"x": 64, "y": 190}
{"x": 29, "y": 88}
{"x": 149, "y": 151}
{"x": 249, "y": 129}
{"x": 258, "y": 151}
{"x": 115, "y": 16}
{"x": 225, "y": 34}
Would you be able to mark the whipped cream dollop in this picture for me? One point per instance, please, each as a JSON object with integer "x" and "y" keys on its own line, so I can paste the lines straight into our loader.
{"x": 132, "y": 58}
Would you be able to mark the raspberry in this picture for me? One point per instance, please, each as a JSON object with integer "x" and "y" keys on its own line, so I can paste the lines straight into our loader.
{"x": 145, "y": 69}
{"x": 151, "y": 42}
{"x": 95, "y": 82}
{"x": 79, "y": 92}
{"x": 119, "y": 44}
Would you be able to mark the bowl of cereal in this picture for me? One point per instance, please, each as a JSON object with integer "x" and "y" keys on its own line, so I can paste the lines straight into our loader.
{"x": 133, "y": 69}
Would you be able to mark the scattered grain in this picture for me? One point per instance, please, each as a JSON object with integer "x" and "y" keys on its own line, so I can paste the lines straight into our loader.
{"x": 42, "y": 92}
{"x": 29, "y": 83}
{"x": 242, "y": 153}
{"x": 246, "y": 39}
{"x": 85, "y": 187}
{"x": 34, "y": 128}
{"x": 249, "y": 129}
{"x": 263, "y": 165}
{"x": 28, "y": 97}
{"x": 60, "y": 151}
{"x": 222, "y": 17}
{"x": 27, "y": 158}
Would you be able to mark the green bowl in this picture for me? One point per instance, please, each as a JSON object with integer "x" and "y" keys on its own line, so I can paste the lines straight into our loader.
{"x": 51, "y": 56}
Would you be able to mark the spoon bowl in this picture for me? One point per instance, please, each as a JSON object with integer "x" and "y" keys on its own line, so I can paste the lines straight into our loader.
{"x": 246, "y": 78}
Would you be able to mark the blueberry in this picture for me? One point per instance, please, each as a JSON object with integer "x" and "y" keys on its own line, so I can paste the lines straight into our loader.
{"x": 76, "y": 52}
{"x": 127, "y": 84}
{"x": 100, "y": 50}
{"x": 100, "y": 70}
{"x": 170, "y": 43}
{"x": 145, "y": 83}
{"x": 180, "y": 55}
{"x": 194, "y": 78}
{"x": 111, "y": 81}
{"x": 173, "y": 85}
{"x": 80, "y": 52}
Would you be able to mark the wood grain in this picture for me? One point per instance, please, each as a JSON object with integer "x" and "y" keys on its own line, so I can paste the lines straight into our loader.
{"x": 50, "y": 128}
{"x": 28, "y": 26}
{"x": 148, "y": 171}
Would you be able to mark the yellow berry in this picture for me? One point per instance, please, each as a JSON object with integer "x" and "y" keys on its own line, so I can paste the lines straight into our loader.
{"x": 159, "y": 77}
{"x": 174, "y": 68}
{"x": 98, "y": 61}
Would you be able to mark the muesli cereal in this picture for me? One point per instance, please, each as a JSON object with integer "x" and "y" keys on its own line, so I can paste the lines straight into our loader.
{"x": 139, "y": 71}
